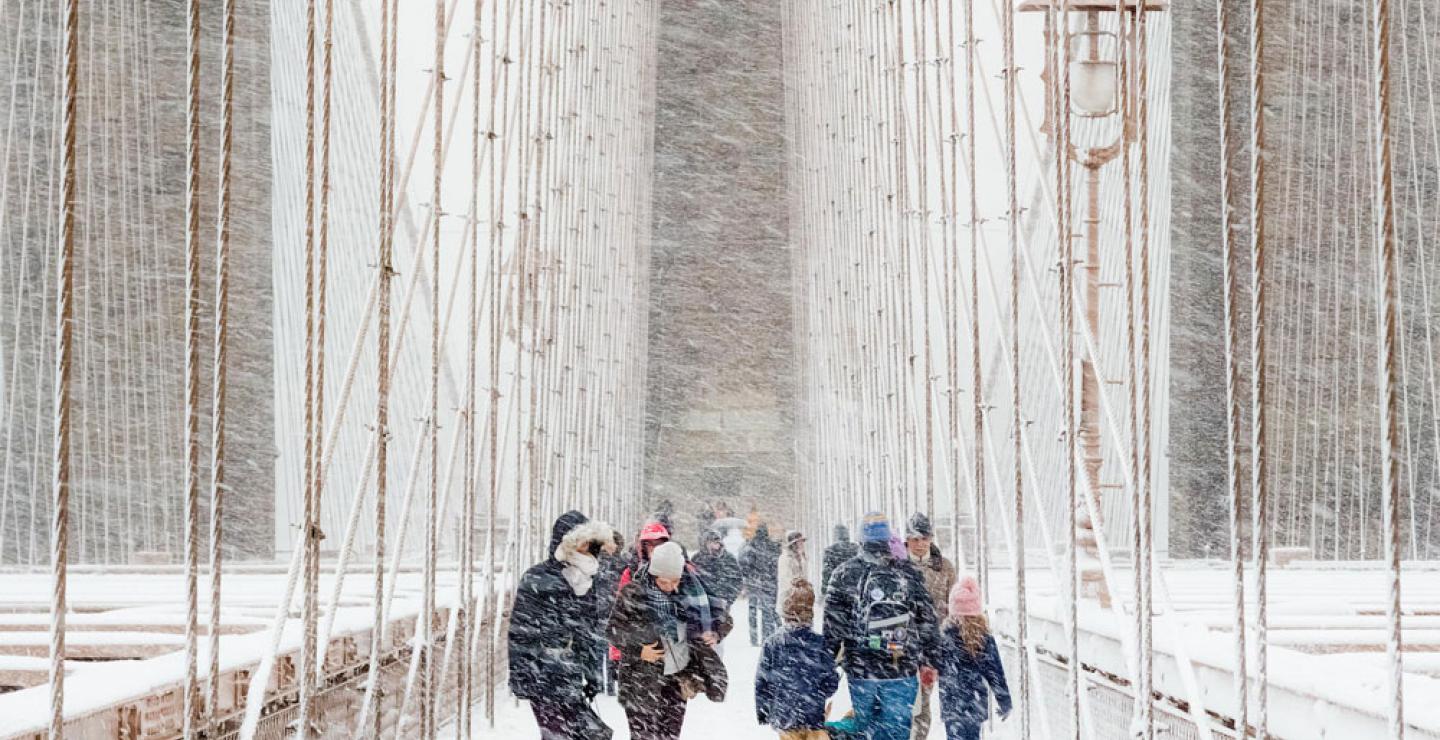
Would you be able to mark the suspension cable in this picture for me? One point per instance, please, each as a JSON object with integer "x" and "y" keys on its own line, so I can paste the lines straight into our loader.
{"x": 1231, "y": 259}
{"x": 1012, "y": 230}
{"x": 220, "y": 377}
{"x": 1259, "y": 463}
{"x": 190, "y": 694}
{"x": 64, "y": 334}
{"x": 1389, "y": 380}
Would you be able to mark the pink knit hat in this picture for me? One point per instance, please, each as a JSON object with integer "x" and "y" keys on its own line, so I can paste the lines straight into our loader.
{"x": 965, "y": 598}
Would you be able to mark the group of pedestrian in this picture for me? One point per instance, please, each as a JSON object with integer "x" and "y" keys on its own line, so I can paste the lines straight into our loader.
{"x": 896, "y": 622}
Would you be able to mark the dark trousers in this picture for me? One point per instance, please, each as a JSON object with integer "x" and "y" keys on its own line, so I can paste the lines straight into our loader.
{"x": 961, "y": 730}
{"x": 763, "y": 619}
{"x": 658, "y": 716}
{"x": 568, "y": 720}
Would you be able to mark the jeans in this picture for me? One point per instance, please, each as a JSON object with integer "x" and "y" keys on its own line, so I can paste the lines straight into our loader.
{"x": 920, "y": 727}
{"x": 961, "y": 730}
{"x": 763, "y": 619}
{"x": 883, "y": 706}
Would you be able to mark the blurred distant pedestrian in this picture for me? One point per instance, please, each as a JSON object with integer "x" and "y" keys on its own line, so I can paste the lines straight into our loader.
{"x": 939, "y": 575}
{"x": 836, "y": 554}
{"x": 759, "y": 562}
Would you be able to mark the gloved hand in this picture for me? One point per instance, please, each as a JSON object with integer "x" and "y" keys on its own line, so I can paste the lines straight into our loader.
{"x": 928, "y": 676}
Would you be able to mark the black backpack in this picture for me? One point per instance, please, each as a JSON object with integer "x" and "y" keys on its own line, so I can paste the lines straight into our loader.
{"x": 884, "y": 618}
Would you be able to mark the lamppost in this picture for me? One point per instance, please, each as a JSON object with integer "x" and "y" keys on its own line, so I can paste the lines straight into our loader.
{"x": 1099, "y": 98}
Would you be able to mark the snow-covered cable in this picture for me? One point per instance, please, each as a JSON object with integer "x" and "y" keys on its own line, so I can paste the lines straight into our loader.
{"x": 1231, "y": 260}
{"x": 219, "y": 381}
{"x": 64, "y": 333}
{"x": 1259, "y": 464}
{"x": 1388, "y": 376}
{"x": 190, "y": 693}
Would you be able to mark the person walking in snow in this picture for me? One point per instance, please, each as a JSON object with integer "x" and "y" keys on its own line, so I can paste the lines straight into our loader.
{"x": 797, "y": 673}
{"x": 969, "y": 666}
{"x": 939, "y": 576}
{"x": 555, "y": 632}
{"x": 759, "y": 563}
{"x": 607, "y": 585}
{"x": 666, "y": 649}
{"x": 652, "y": 535}
{"x": 836, "y": 554}
{"x": 718, "y": 569}
{"x": 880, "y": 625}
{"x": 793, "y": 564}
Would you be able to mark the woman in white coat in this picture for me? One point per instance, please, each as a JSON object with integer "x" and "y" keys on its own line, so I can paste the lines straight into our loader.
{"x": 793, "y": 564}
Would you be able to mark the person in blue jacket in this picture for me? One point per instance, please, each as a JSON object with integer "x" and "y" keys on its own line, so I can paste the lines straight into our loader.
{"x": 969, "y": 666}
{"x": 797, "y": 672}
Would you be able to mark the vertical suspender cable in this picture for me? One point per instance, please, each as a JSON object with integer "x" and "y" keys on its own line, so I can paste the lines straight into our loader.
{"x": 382, "y": 346}
{"x": 1259, "y": 466}
{"x": 492, "y": 430}
{"x": 1127, "y": 225}
{"x": 1022, "y": 617}
{"x": 220, "y": 376}
{"x": 1060, "y": 52}
{"x": 64, "y": 334}
{"x": 1146, "y": 515}
{"x": 1389, "y": 379}
{"x": 322, "y": 269}
{"x": 982, "y": 557}
{"x": 311, "y": 554}
{"x": 467, "y": 517}
{"x": 1232, "y": 366}
{"x": 427, "y": 612}
{"x": 922, "y": 168}
{"x": 191, "y": 486}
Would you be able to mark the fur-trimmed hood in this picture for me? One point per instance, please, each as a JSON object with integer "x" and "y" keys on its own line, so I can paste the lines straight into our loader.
{"x": 590, "y": 531}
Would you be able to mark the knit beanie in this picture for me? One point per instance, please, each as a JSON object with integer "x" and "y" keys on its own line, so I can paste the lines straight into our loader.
{"x": 874, "y": 528}
{"x": 919, "y": 526}
{"x": 965, "y": 598}
{"x": 668, "y": 561}
{"x": 799, "y": 606}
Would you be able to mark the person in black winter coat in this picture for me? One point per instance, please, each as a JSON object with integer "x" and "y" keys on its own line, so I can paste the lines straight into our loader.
{"x": 880, "y": 623}
{"x": 836, "y": 555}
{"x": 969, "y": 666}
{"x": 555, "y": 631}
{"x": 718, "y": 569}
{"x": 797, "y": 673}
{"x": 667, "y": 655}
{"x": 759, "y": 564}
{"x": 607, "y": 585}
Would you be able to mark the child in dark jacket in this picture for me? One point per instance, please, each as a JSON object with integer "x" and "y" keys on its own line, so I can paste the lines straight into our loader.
{"x": 797, "y": 673}
{"x": 969, "y": 666}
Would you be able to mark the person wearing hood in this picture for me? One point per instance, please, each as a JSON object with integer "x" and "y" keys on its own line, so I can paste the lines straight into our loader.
{"x": 759, "y": 564}
{"x": 969, "y": 665}
{"x": 793, "y": 564}
{"x": 666, "y": 650}
{"x": 555, "y": 631}
{"x": 836, "y": 555}
{"x": 939, "y": 576}
{"x": 717, "y": 568}
{"x": 881, "y": 626}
